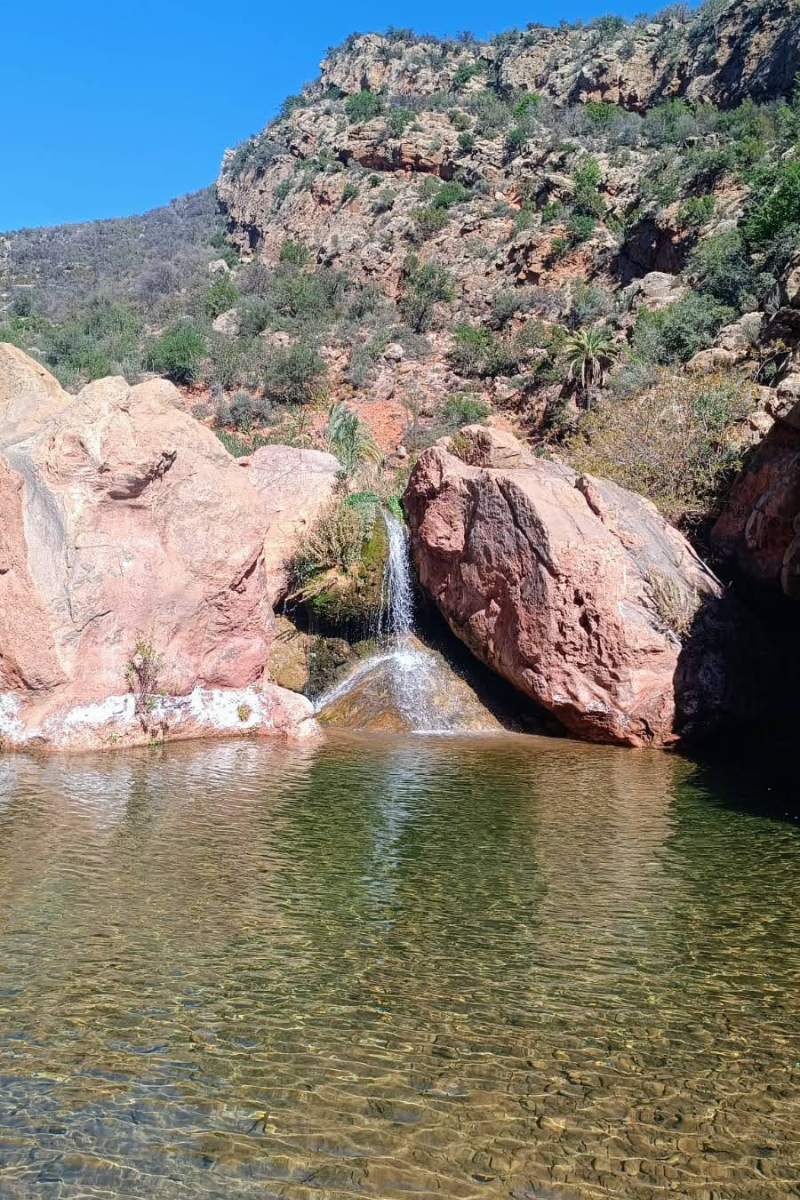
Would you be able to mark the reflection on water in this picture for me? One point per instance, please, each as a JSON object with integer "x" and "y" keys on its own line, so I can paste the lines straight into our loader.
{"x": 393, "y": 968}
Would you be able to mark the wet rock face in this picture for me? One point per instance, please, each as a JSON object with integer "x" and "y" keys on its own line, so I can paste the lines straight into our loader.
{"x": 579, "y": 594}
{"x": 409, "y": 688}
{"x": 122, "y": 514}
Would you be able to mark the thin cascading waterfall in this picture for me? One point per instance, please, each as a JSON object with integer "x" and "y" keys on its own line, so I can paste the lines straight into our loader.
{"x": 410, "y": 670}
{"x": 399, "y": 588}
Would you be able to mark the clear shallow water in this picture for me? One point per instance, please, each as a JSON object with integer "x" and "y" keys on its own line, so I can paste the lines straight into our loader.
{"x": 394, "y": 968}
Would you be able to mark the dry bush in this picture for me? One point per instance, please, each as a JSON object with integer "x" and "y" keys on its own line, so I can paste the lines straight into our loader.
{"x": 678, "y": 442}
{"x": 334, "y": 542}
{"x": 675, "y": 607}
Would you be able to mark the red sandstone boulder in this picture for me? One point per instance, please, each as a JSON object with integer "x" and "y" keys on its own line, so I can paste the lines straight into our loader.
{"x": 294, "y": 485}
{"x": 576, "y": 591}
{"x": 759, "y": 528}
{"x": 123, "y": 514}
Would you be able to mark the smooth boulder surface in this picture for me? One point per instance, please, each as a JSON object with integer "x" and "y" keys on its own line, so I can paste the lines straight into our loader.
{"x": 294, "y": 485}
{"x": 121, "y": 514}
{"x": 570, "y": 588}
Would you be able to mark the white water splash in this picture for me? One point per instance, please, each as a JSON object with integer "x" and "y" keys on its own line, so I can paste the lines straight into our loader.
{"x": 413, "y": 674}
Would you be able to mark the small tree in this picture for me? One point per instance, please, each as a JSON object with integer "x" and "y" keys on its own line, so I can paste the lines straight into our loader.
{"x": 589, "y": 353}
{"x": 425, "y": 286}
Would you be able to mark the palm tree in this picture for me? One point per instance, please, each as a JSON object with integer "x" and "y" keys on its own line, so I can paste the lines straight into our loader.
{"x": 589, "y": 353}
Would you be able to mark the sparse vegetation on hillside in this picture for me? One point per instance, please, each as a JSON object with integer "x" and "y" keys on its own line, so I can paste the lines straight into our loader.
{"x": 459, "y": 241}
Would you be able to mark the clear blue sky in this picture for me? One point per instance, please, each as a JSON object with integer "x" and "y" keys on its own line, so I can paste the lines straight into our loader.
{"x": 109, "y": 108}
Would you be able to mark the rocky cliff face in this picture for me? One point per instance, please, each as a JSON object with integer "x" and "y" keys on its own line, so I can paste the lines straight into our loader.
{"x": 722, "y": 55}
{"x": 565, "y": 178}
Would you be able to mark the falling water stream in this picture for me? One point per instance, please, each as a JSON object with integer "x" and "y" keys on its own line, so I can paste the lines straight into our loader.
{"x": 418, "y": 682}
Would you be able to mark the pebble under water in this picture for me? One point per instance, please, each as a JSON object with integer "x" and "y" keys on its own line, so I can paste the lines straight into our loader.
{"x": 395, "y": 968}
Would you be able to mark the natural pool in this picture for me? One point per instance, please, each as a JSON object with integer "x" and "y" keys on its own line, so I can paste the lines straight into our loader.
{"x": 386, "y": 968}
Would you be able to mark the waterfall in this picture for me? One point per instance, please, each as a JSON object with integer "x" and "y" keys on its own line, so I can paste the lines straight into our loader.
{"x": 405, "y": 684}
{"x": 398, "y": 586}
{"x": 407, "y": 672}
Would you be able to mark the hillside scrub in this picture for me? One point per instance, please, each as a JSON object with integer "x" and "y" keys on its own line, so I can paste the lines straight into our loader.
{"x": 677, "y": 442}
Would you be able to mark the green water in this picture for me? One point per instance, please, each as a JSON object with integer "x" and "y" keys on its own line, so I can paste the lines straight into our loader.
{"x": 395, "y": 969}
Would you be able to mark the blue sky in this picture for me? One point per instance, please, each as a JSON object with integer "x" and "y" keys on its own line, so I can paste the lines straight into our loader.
{"x": 112, "y": 108}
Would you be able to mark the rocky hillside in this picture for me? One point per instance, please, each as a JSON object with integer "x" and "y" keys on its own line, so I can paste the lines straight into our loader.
{"x": 588, "y": 233}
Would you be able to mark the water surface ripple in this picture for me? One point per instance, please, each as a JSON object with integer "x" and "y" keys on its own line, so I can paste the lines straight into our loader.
{"x": 407, "y": 968}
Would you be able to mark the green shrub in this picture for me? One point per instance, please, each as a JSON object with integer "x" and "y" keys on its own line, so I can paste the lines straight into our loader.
{"x": 508, "y": 302}
{"x": 283, "y": 188}
{"x": 450, "y": 193}
{"x": 466, "y": 142}
{"x": 679, "y": 331}
{"x": 294, "y": 374}
{"x": 459, "y": 120}
{"x": 464, "y": 409}
{"x": 724, "y": 269}
{"x": 581, "y": 227}
{"x": 424, "y": 287}
{"x": 428, "y": 222}
{"x": 463, "y": 73}
{"x": 586, "y": 198}
{"x": 295, "y": 253}
{"x": 384, "y": 201}
{"x": 696, "y": 212}
{"x": 471, "y": 352}
{"x": 397, "y": 119}
{"x": 218, "y": 297}
{"x": 609, "y": 26}
{"x": 241, "y": 412}
{"x": 516, "y": 139}
{"x": 349, "y": 191}
{"x": 225, "y": 361}
{"x": 97, "y": 339}
{"x": 477, "y": 353}
{"x": 362, "y": 106}
{"x": 775, "y": 206}
{"x": 178, "y": 352}
{"x": 291, "y": 103}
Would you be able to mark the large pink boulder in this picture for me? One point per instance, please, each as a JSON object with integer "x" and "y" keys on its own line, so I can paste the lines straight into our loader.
{"x": 294, "y": 484}
{"x": 122, "y": 514}
{"x": 574, "y": 590}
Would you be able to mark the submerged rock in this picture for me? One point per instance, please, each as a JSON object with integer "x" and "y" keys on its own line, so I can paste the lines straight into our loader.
{"x": 122, "y": 516}
{"x": 579, "y": 594}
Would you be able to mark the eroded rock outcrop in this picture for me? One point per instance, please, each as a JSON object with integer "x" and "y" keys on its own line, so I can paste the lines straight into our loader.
{"x": 759, "y": 529}
{"x": 579, "y": 594}
{"x": 122, "y": 514}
